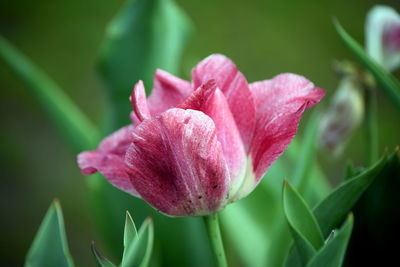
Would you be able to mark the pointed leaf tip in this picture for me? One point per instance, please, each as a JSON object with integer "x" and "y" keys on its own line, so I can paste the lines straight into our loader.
{"x": 300, "y": 217}
{"x": 138, "y": 253}
{"x": 50, "y": 248}
{"x": 130, "y": 224}
{"x": 101, "y": 260}
{"x": 302, "y": 223}
{"x": 130, "y": 232}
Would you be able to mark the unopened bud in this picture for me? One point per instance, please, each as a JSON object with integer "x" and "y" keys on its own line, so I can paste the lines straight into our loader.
{"x": 343, "y": 116}
{"x": 382, "y": 32}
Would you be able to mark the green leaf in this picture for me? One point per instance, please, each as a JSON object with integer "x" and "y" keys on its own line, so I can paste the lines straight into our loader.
{"x": 69, "y": 119}
{"x": 139, "y": 251}
{"x": 300, "y": 217}
{"x": 130, "y": 232}
{"x": 303, "y": 248}
{"x": 332, "y": 210}
{"x": 293, "y": 258}
{"x": 137, "y": 246}
{"x": 50, "y": 247}
{"x": 101, "y": 260}
{"x": 303, "y": 225}
{"x": 332, "y": 254}
{"x": 145, "y": 35}
{"x": 388, "y": 83}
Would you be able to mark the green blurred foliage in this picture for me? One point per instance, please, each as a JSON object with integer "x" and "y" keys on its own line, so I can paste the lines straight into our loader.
{"x": 63, "y": 37}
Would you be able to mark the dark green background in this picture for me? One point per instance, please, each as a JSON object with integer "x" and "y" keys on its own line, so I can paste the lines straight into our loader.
{"x": 63, "y": 37}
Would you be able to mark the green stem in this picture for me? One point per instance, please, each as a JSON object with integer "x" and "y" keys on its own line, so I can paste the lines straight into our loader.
{"x": 371, "y": 123}
{"x": 214, "y": 234}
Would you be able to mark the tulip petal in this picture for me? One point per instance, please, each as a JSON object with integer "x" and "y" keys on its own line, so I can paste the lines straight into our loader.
{"x": 177, "y": 165}
{"x": 211, "y": 101}
{"x": 235, "y": 88}
{"x": 280, "y": 103}
{"x": 168, "y": 92}
{"x": 108, "y": 159}
{"x": 199, "y": 98}
{"x": 139, "y": 103}
{"x": 134, "y": 119}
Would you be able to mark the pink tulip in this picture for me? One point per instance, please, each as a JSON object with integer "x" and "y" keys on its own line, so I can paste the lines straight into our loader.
{"x": 195, "y": 147}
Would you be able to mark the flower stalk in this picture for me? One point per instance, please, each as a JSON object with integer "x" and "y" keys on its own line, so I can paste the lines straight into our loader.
{"x": 214, "y": 233}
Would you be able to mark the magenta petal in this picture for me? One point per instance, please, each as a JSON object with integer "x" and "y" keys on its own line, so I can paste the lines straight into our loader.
{"x": 199, "y": 98}
{"x": 229, "y": 137}
{"x": 211, "y": 101}
{"x": 108, "y": 159}
{"x": 177, "y": 165}
{"x": 134, "y": 119}
{"x": 280, "y": 103}
{"x": 139, "y": 102}
{"x": 168, "y": 92}
{"x": 235, "y": 88}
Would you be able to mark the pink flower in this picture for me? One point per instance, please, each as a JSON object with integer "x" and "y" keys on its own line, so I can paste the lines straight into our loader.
{"x": 195, "y": 147}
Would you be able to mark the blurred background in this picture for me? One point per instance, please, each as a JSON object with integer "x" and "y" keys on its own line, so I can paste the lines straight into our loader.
{"x": 264, "y": 38}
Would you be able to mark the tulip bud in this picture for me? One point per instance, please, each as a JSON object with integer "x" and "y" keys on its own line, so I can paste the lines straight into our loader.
{"x": 343, "y": 116}
{"x": 382, "y": 32}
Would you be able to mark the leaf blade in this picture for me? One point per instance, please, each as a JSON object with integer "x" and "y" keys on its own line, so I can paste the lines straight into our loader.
{"x": 50, "y": 248}
{"x": 130, "y": 233}
{"x": 304, "y": 226}
{"x": 302, "y": 248}
{"x": 332, "y": 254}
{"x": 333, "y": 209}
{"x": 139, "y": 251}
